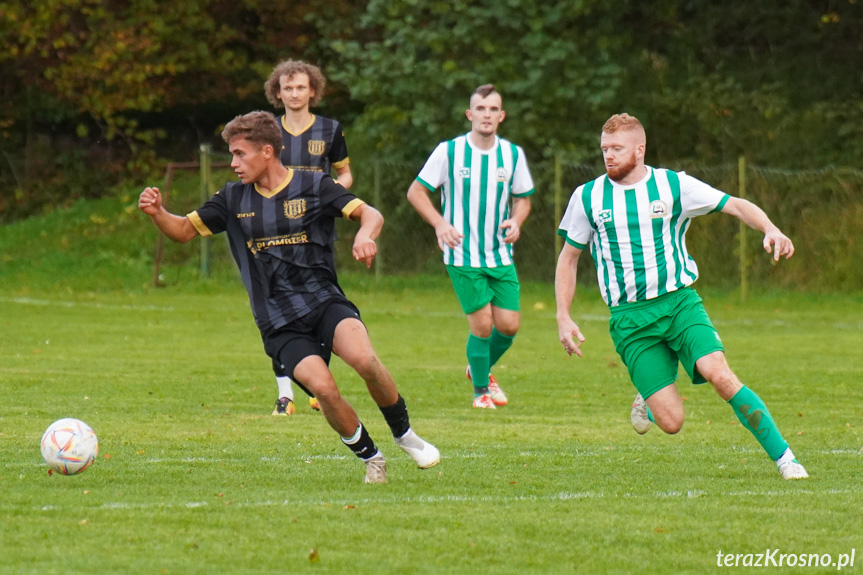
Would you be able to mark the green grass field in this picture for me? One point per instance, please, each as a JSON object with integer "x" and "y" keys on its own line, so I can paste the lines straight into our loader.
{"x": 195, "y": 476}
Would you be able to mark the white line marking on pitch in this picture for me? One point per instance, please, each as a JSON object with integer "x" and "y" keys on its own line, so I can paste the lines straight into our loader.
{"x": 438, "y": 499}
{"x": 45, "y": 302}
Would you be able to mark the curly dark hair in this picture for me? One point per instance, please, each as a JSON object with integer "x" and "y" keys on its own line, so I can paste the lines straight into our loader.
{"x": 288, "y": 68}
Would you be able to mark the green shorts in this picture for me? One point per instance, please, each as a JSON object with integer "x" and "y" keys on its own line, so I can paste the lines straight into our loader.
{"x": 476, "y": 287}
{"x": 651, "y": 337}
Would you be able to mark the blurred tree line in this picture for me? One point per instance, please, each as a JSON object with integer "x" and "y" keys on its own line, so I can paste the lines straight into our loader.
{"x": 97, "y": 91}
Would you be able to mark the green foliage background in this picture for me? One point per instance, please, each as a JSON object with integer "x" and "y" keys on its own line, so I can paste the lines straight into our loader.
{"x": 94, "y": 91}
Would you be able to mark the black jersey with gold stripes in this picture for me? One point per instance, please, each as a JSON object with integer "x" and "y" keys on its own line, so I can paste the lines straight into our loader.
{"x": 318, "y": 148}
{"x": 281, "y": 241}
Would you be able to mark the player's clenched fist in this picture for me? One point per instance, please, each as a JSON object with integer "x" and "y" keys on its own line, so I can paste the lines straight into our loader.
{"x": 150, "y": 201}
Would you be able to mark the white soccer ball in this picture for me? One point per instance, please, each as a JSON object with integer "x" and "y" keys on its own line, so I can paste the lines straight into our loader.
{"x": 69, "y": 446}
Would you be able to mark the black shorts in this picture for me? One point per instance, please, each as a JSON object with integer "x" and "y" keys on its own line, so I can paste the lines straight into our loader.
{"x": 311, "y": 334}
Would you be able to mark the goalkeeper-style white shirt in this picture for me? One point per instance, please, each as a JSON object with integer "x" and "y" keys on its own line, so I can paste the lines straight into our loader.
{"x": 476, "y": 189}
{"x": 637, "y": 233}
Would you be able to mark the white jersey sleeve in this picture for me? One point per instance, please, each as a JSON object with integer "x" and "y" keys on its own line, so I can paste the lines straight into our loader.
{"x": 698, "y": 198}
{"x": 575, "y": 226}
{"x": 522, "y": 181}
{"x": 434, "y": 172}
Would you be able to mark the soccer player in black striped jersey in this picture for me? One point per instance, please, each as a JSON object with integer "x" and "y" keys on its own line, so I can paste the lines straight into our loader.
{"x": 279, "y": 224}
{"x": 309, "y": 143}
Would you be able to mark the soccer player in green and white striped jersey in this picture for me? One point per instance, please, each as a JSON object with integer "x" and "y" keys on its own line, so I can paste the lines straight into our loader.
{"x": 635, "y": 218}
{"x": 479, "y": 175}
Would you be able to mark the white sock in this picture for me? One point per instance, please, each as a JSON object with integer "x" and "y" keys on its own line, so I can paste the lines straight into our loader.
{"x": 285, "y": 388}
{"x": 787, "y": 456}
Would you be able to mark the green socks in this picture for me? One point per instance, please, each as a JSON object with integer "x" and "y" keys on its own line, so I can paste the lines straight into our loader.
{"x": 482, "y": 353}
{"x": 753, "y": 414}
{"x": 478, "y": 360}
{"x": 498, "y": 344}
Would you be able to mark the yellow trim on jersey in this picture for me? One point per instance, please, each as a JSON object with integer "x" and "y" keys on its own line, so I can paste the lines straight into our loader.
{"x": 351, "y": 206}
{"x": 285, "y": 125}
{"x": 342, "y": 163}
{"x": 199, "y": 224}
{"x": 278, "y": 188}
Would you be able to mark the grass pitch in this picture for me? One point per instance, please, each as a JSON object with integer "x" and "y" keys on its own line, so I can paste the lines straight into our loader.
{"x": 195, "y": 476}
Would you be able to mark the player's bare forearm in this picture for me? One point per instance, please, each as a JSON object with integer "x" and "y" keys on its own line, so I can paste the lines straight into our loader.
{"x": 418, "y": 196}
{"x": 371, "y": 223}
{"x": 748, "y": 213}
{"x": 520, "y": 211}
{"x": 176, "y": 228}
{"x": 569, "y": 333}
{"x": 775, "y": 241}
{"x": 344, "y": 177}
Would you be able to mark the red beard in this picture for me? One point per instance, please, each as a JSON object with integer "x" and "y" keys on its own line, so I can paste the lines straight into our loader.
{"x": 620, "y": 171}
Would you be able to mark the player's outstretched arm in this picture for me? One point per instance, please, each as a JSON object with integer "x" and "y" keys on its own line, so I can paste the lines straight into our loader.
{"x": 177, "y": 228}
{"x": 774, "y": 240}
{"x": 371, "y": 222}
{"x": 564, "y": 291}
{"x": 447, "y": 235}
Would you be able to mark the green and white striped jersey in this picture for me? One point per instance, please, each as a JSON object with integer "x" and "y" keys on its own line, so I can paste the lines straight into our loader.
{"x": 477, "y": 185}
{"x": 637, "y": 234}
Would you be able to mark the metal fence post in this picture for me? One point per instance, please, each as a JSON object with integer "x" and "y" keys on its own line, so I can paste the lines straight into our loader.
{"x": 376, "y": 196}
{"x": 558, "y": 202}
{"x": 205, "y": 195}
{"x": 744, "y": 260}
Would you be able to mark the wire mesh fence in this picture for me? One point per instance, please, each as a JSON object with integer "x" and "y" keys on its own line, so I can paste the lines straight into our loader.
{"x": 821, "y": 210}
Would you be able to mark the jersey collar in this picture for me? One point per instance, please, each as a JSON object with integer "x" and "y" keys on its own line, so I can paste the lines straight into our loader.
{"x": 309, "y": 125}
{"x": 278, "y": 188}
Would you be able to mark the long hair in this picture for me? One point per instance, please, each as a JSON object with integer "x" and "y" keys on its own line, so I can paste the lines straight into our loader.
{"x": 289, "y": 68}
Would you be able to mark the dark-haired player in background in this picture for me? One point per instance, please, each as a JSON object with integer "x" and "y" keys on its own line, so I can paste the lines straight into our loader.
{"x": 485, "y": 195}
{"x": 310, "y": 142}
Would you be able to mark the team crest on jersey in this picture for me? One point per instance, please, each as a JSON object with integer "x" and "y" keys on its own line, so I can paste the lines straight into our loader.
{"x": 316, "y": 147}
{"x": 604, "y": 216}
{"x": 502, "y": 175}
{"x": 464, "y": 172}
{"x": 658, "y": 209}
{"x": 295, "y": 209}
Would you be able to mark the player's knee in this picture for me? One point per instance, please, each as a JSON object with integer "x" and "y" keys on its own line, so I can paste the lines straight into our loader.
{"x": 367, "y": 366}
{"x": 671, "y": 426}
{"x": 669, "y": 421}
{"x": 327, "y": 393}
{"x": 509, "y": 329}
{"x": 482, "y": 329}
{"x": 507, "y": 323}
